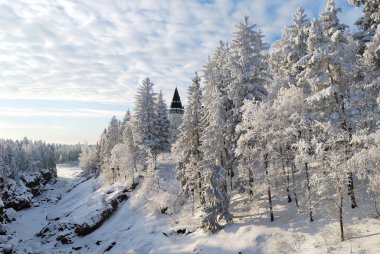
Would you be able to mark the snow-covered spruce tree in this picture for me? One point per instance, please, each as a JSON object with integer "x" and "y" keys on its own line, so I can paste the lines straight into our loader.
{"x": 288, "y": 51}
{"x": 368, "y": 22}
{"x": 214, "y": 189}
{"x": 100, "y": 152}
{"x": 332, "y": 163}
{"x": 217, "y": 74}
{"x": 372, "y": 80}
{"x": 256, "y": 149}
{"x": 367, "y": 161}
{"x": 249, "y": 74}
{"x": 309, "y": 79}
{"x": 372, "y": 55}
{"x": 248, "y": 66}
{"x": 283, "y": 64}
{"x": 342, "y": 72}
{"x": 127, "y": 117}
{"x": 367, "y": 137}
{"x": 145, "y": 122}
{"x": 187, "y": 147}
{"x": 132, "y": 152}
{"x": 288, "y": 109}
{"x": 329, "y": 69}
{"x": 367, "y": 90}
{"x": 330, "y": 20}
{"x": 163, "y": 125}
{"x": 365, "y": 94}
{"x": 112, "y": 134}
{"x": 111, "y": 140}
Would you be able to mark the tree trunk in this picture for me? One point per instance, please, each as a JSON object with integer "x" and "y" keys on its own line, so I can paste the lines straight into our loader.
{"x": 341, "y": 218}
{"x": 351, "y": 190}
{"x": 286, "y": 175}
{"x": 269, "y": 190}
{"x": 231, "y": 175}
{"x": 294, "y": 186}
{"x": 202, "y": 201}
{"x": 193, "y": 202}
{"x": 308, "y": 191}
{"x": 346, "y": 128}
{"x": 288, "y": 186}
{"x": 270, "y": 204}
{"x": 375, "y": 199}
{"x": 250, "y": 182}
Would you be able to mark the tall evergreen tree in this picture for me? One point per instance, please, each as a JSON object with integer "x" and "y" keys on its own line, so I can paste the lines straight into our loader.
{"x": 145, "y": 121}
{"x": 112, "y": 135}
{"x": 187, "y": 146}
{"x": 163, "y": 125}
{"x": 248, "y": 66}
{"x": 123, "y": 124}
{"x": 372, "y": 55}
{"x": 214, "y": 188}
{"x": 368, "y": 23}
{"x": 288, "y": 51}
{"x": 217, "y": 74}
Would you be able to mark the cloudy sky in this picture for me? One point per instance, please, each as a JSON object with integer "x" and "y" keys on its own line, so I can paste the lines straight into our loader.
{"x": 67, "y": 66}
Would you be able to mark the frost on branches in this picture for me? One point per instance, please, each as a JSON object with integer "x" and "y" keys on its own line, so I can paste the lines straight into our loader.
{"x": 187, "y": 147}
{"x": 214, "y": 190}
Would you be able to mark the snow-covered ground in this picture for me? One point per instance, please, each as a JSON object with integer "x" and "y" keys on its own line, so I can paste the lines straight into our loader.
{"x": 29, "y": 221}
{"x": 142, "y": 225}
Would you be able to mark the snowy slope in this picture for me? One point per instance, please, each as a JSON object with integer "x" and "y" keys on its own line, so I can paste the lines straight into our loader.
{"x": 139, "y": 226}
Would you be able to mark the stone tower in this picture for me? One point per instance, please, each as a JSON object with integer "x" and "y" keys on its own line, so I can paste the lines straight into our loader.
{"x": 175, "y": 113}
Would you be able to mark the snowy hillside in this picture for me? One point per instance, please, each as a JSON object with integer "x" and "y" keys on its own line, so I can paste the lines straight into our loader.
{"x": 143, "y": 225}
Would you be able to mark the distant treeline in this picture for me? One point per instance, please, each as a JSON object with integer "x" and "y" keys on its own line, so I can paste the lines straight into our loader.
{"x": 66, "y": 153}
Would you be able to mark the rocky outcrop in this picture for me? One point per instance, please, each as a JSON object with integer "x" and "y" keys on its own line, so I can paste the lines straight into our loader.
{"x": 64, "y": 230}
{"x": 98, "y": 219}
{"x": 19, "y": 194}
{"x": 16, "y": 196}
{"x": 3, "y": 229}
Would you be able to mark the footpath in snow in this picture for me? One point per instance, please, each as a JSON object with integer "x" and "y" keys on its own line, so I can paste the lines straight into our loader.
{"x": 154, "y": 220}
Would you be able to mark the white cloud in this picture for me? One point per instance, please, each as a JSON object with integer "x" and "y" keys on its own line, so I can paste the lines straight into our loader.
{"x": 28, "y": 127}
{"x": 72, "y": 113}
{"x": 99, "y": 50}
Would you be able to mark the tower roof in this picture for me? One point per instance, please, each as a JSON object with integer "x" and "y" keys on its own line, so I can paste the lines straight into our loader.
{"x": 176, "y": 101}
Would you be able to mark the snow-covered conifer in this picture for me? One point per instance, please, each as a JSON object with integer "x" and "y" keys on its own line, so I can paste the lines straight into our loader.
{"x": 249, "y": 74}
{"x": 329, "y": 71}
{"x": 330, "y": 20}
{"x": 145, "y": 120}
{"x": 256, "y": 149}
{"x": 248, "y": 66}
{"x": 187, "y": 147}
{"x": 217, "y": 74}
{"x": 163, "y": 125}
{"x": 214, "y": 198}
{"x": 372, "y": 53}
{"x": 112, "y": 135}
{"x": 366, "y": 161}
{"x": 132, "y": 152}
{"x": 368, "y": 22}
{"x": 288, "y": 51}
{"x": 123, "y": 124}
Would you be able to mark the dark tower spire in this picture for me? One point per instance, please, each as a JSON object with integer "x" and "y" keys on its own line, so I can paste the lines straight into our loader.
{"x": 176, "y": 101}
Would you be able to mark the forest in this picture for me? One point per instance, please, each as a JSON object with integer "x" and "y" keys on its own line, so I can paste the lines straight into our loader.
{"x": 293, "y": 125}
{"x": 297, "y": 120}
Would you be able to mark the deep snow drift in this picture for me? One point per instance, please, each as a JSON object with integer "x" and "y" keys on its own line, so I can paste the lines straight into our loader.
{"x": 154, "y": 220}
